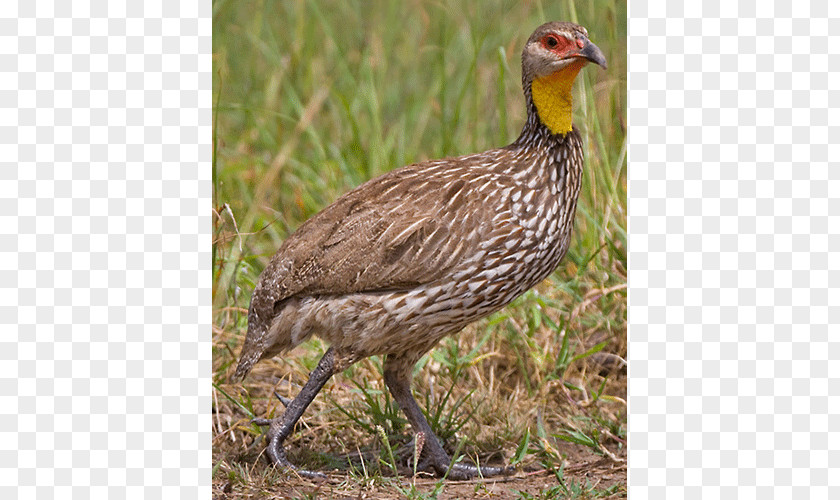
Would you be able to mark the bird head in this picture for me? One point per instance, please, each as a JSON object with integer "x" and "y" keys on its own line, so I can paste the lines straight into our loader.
{"x": 551, "y": 59}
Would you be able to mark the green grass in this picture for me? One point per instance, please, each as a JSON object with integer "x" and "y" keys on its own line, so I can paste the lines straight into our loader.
{"x": 311, "y": 98}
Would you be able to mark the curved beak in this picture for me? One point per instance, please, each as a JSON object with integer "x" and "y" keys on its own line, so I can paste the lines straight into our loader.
{"x": 591, "y": 52}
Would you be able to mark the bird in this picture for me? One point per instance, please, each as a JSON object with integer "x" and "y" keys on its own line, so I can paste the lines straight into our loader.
{"x": 418, "y": 253}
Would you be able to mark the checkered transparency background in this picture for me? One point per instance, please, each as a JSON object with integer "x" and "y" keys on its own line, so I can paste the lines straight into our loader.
{"x": 105, "y": 236}
{"x": 734, "y": 239}
{"x": 105, "y": 128}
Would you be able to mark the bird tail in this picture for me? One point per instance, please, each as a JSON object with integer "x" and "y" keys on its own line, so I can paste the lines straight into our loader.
{"x": 268, "y": 340}
{"x": 243, "y": 368}
{"x": 254, "y": 350}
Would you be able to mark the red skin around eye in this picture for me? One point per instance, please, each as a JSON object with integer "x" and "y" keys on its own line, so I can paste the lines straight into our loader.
{"x": 563, "y": 44}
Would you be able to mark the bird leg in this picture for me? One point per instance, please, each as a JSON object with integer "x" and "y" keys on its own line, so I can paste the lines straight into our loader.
{"x": 283, "y": 399}
{"x": 279, "y": 428}
{"x": 397, "y": 373}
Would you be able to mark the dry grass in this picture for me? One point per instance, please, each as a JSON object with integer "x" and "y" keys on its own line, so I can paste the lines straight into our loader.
{"x": 314, "y": 100}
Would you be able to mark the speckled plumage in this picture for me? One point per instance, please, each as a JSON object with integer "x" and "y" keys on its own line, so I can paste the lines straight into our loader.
{"x": 417, "y": 254}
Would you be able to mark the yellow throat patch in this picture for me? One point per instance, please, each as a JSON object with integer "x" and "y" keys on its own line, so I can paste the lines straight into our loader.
{"x": 552, "y": 96}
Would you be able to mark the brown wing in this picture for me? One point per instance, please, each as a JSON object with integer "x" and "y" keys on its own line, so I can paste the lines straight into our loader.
{"x": 398, "y": 231}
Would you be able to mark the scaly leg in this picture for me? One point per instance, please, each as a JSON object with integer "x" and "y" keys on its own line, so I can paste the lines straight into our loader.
{"x": 279, "y": 428}
{"x": 397, "y": 371}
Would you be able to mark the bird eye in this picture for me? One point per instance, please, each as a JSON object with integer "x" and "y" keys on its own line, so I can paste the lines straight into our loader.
{"x": 551, "y": 42}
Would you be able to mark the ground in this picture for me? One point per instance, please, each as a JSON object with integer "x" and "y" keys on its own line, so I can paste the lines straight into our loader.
{"x": 603, "y": 477}
{"x": 566, "y": 442}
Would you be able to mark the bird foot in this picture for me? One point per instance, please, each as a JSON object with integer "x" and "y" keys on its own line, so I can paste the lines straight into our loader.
{"x": 276, "y": 453}
{"x": 283, "y": 463}
{"x": 461, "y": 472}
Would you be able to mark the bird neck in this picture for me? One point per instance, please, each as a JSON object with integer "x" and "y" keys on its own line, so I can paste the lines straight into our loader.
{"x": 552, "y": 97}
